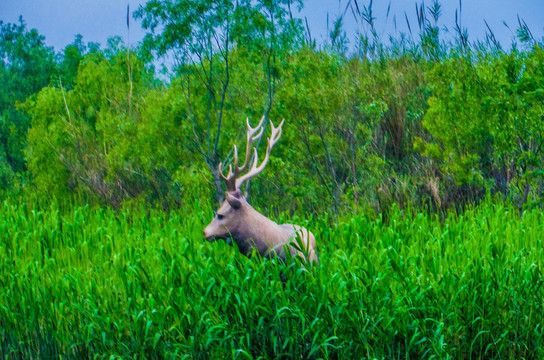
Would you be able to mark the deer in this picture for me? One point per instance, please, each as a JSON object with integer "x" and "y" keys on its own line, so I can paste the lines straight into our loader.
{"x": 250, "y": 230}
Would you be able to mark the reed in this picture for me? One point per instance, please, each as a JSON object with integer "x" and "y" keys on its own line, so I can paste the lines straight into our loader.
{"x": 95, "y": 283}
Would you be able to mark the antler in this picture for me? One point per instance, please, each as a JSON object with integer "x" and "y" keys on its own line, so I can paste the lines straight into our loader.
{"x": 233, "y": 180}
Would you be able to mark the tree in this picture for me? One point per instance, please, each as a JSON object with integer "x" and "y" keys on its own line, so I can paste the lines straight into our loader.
{"x": 201, "y": 35}
{"x": 71, "y": 58}
{"x": 26, "y": 66}
{"x": 109, "y": 138}
{"x": 485, "y": 118}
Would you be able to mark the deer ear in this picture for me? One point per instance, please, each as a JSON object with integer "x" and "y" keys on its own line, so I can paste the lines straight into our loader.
{"x": 235, "y": 199}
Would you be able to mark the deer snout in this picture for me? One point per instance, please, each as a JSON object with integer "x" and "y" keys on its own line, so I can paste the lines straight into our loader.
{"x": 208, "y": 235}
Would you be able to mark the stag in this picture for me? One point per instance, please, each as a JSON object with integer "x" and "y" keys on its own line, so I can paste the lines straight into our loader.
{"x": 249, "y": 229}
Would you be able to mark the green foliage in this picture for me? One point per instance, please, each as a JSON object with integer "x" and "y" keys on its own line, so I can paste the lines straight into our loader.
{"x": 26, "y": 65}
{"x": 108, "y": 138}
{"x": 351, "y": 123}
{"x": 91, "y": 283}
{"x": 183, "y": 24}
{"x": 72, "y": 56}
{"x": 192, "y": 28}
{"x": 417, "y": 121}
{"x": 485, "y": 117}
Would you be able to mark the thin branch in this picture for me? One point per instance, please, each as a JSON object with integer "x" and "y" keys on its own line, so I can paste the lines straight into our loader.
{"x": 223, "y": 91}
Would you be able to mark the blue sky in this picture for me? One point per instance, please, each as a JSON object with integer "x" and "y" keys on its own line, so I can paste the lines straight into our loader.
{"x": 60, "y": 20}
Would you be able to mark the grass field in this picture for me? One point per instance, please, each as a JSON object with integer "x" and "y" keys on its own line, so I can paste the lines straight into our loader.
{"x": 98, "y": 284}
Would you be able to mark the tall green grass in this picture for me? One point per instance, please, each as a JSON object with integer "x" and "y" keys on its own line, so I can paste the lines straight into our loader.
{"x": 93, "y": 283}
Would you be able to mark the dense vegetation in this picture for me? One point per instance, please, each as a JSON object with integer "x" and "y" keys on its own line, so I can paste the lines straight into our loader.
{"x": 126, "y": 284}
{"x": 412, "y": 121}
{"x": 416, "y": 160}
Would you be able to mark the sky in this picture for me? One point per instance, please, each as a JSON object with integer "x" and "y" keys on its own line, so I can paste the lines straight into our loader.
{"x": 97, "y": 20}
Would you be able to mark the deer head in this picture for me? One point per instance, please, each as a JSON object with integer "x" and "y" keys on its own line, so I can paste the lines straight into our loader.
{"x": 235, "y": 215}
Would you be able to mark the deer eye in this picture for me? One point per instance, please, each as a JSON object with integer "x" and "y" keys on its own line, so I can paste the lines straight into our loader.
{"x": 219, "y": 216}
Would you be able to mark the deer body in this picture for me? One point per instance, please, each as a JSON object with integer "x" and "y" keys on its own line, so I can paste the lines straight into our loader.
{"x": 249, "y": 229}
{"x": 252, "y": 231}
